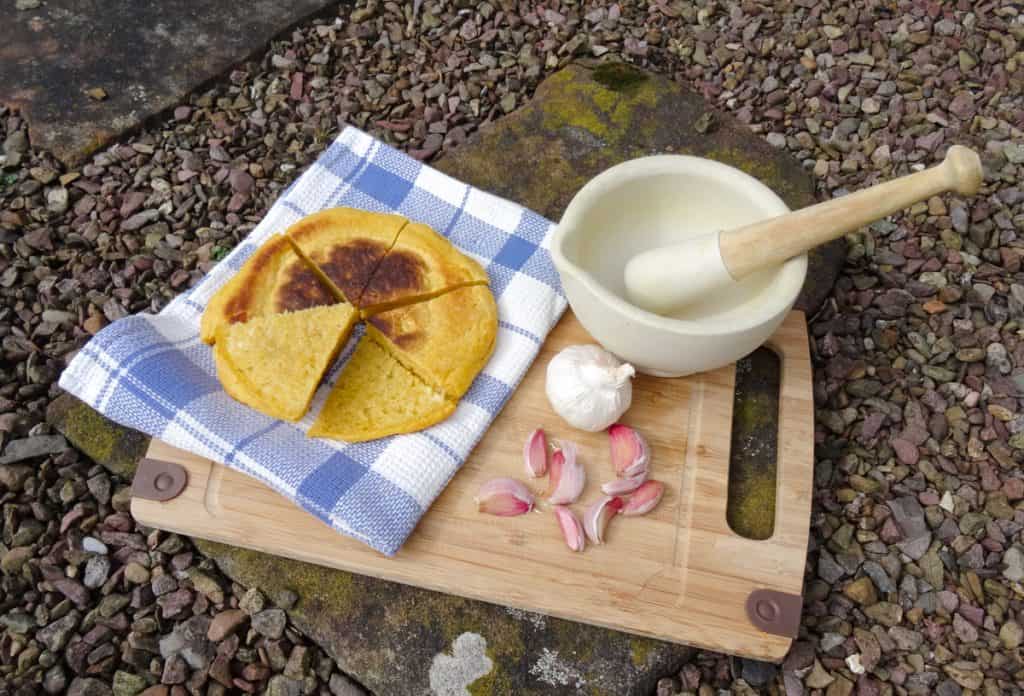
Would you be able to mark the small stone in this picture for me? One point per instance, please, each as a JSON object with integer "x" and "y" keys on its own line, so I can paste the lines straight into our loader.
{"x": 31, "y": 447}
{"x": 870, "y": 106}
{"x": 861, "y": 591}
{"x": 906, "y": 451}
{"x": 174, "y": 603}
{"x": 878, "y": 576}
{"x": 1011, "y": 635}
{"x": 225, "y": 623}
{"x": 73, "y": 590}
{"x": 973, "y": 524}
{"x": 819, "y": 678}
{"x": 966, "y": 674}
{"x": 13, "y": 476}
{"x": 175, "y": 671}
{"x": 970, "y": 355}
{"x": 241, "y": 181}
{"x": 270, "y": 623}
{"x": 96, "y": 93}
{"x": 255, "y": 672}
{"x": 931, "y": 566}
{"x": 667, "y": 686}
{"x": 1013, "y": 562}
{"x": 252, "y": 601}
{"x": 905, "y": 639}
{"x": 136, "y": 573}
{"x": 16, "y": 143}
{"x": 88, "y": 686}
{"x": 885, "y": 613}
{"x": 206, "y": 585}
{"x": 996, "y": 357}
{"x": 18, "y": 622}
{"x": 828, "y": 569}
{"x": 14, "y": 559}
{"x": 508, "y": 102}
{"x": 280, "y": 685}
{"x": 964, "y": 630}
{"x": 127, "y": 684}
{"x": 298, "y": 662}
{"x": 97, "y": 569}
{"x": 163, "y": 584}
{"x": 220, "y": 670}
{"x": 55, "y": 636}
{"x": 57, "y": 200}
{"x": 112, "y": 603}
{"x": 1014, "y": 152}
{"x": 55, "y": 680}
{"x": 99, "y": 486}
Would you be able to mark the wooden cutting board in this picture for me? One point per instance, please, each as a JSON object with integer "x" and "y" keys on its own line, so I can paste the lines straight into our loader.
{"x": 679, "y": 573}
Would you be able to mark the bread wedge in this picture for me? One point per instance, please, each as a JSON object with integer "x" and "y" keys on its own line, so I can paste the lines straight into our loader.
{"x": 274, "y": 363}
{"x": 376, "y": 396}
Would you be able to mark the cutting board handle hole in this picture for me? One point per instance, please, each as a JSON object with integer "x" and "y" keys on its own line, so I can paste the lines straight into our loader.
{"x": 753, "y": 451}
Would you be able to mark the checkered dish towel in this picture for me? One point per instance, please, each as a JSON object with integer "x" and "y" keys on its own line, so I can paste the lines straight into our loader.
{"x": 152, "y": 372}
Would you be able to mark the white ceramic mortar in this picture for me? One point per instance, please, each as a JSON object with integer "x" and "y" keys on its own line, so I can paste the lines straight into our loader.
{"x": 655, "y": 201}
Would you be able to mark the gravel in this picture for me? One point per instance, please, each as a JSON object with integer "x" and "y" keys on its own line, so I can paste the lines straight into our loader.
{"x": 918, "y": 352}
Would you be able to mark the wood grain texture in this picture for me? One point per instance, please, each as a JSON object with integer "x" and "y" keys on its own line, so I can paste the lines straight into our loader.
{"x": 678, "y": 574}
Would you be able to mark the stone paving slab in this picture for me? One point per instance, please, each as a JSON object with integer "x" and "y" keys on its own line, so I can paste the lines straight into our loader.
{"x": 144, "y": 55}
{"x": 399, "y": 639}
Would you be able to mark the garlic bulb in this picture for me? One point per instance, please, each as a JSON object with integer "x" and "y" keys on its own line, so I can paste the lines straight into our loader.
{"x": 589, "y": 387}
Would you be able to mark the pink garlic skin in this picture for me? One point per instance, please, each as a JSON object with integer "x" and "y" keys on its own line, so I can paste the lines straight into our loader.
{"x": 596, "y": 518}
{"x": 621, "y": 486}
{"x": 630, "y": 453}
{"x": 643, "y": 499}
{"x": 572, "y": 528}
{"x": 567, "y": 475}
{"x": 504, "y": 497}
{"x": 535, "y": 454}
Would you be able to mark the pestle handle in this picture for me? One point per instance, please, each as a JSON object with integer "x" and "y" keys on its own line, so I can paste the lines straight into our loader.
{"x": 771, "y": 242}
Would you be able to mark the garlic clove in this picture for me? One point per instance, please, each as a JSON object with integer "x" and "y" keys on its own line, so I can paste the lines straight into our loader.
{"x": 567, "y": 475}
{"x": 630, "y": 453}
{"x": 535, "y": 453}
{"x": 622, "y": 486}
{"x": 572, "y": 529}
{"x": 644, "y": 499}
{"x": 596, "y": 517}
{"x": 505, "y": 497}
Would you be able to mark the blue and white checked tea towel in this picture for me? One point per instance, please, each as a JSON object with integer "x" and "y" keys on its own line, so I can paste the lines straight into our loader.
{"x": 152, "y": 373}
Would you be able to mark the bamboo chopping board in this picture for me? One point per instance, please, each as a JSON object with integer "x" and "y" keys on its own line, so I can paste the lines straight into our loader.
{"x": 679, "y": 573}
